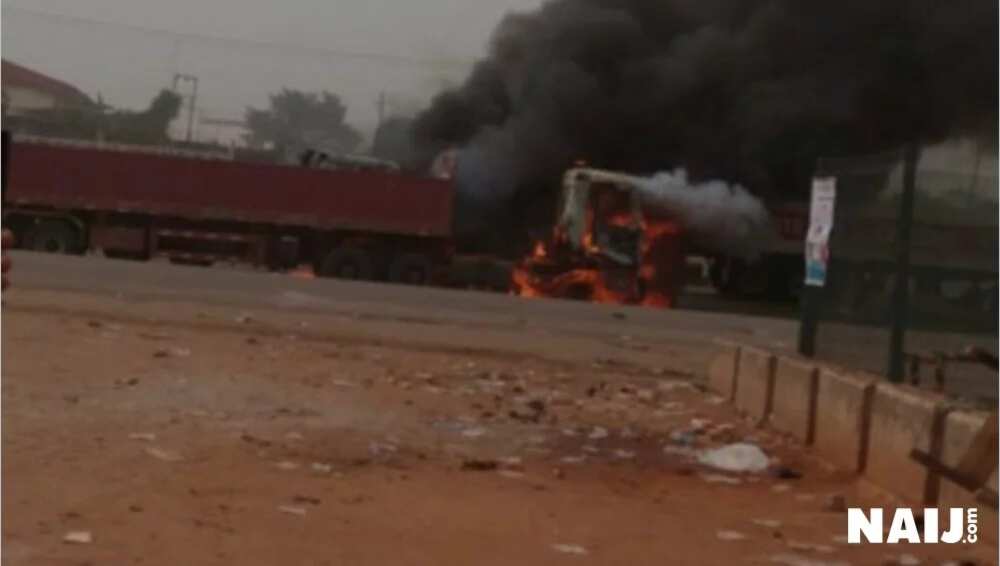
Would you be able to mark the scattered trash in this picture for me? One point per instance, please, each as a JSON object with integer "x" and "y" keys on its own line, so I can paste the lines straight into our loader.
{"x": 840, "y": 539}
{"x": 908, "y": 560}
{"x": 786, "y": 473}
{"x": 321, "y": 468}
{"x": 292, "y": 510}
{"x": 306, "y": 499}
{"x": 343, "y": 383}
{"x": 767, "y": 523}
{"x": 598, "y": 433}
{"x": 164, "y": 455}
{"x": 574, "y": 459}
{"x": 379, "y": 448}
{"x": 730, "y": 535}
{"x": 512, "y": 474}
{"x": 683, "y": 437}
{"x": 144, "y": 436}
{"x": 286, "y": 465}
{"x": 473, "y": 432}
{"x": 590, "y": 448}
{"x": 570, "y": 549}
{"x": 739, "y": 457}
{"x": 293, "y": 436}
{"x": 805, "y": 497}
{"x": 683, "y": 451}
{"x": 797, "y": 545}
{"x": 480, "y": 465}
{"x": 244, "y": 319}
{"x": 836, "y": 503}
{"x": 78, "y": 537}
{"x": 796, "y": 560}
{"x": 719, "y": 478}
{"x": 558, "y": 473}
{"x": 780, "y": 487}
{"x": 622, "y": 454}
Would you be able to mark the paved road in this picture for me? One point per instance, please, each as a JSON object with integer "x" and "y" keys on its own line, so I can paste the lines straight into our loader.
{"x": 858, "y": 347}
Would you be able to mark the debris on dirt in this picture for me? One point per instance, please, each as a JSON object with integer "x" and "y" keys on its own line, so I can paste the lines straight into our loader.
{"x": 598, "y": 433}
{"x": 143, "y": 436}
{"x": 786, "y": 473}
{"x": 244, "y": 319}
{"x": 293, "y": 436}
{"x": 176, "y": 352}
{"x": 292, "y": 510}
{"x": 512, "y": 474}
{"x": 767, "y": 523}
{"x": 259, "y": 442}
{"x": 796, "y": 560}
{"x": 321, "y": 468}
{"x": 570, "y": 549}
{"x": 619, "y": 315}
{"x": 810, "y": 547}
{"x": 78, "y": 537}
{"x": 94, "y": 323}
{"x": 907, "y": 560}
{"x": 574, "y": 459}
{"x": 164, "y": 455}
{"x": 305, "y": 499}
{"x": 558, "y": 473}
{"x": 739, "y": 457}
{"x": 474, "y": 432}
{"x": 683, "y": 437}
{"x": 343, "y": 383}
{"x": 480, "y": 465}
{"x": 780, "y": 487}
{"x": 286, "y": 465}
{"x": 719, "y": 478}
{"x": 623, "y": 454}
{"x": 805, "y": 497}
{"x": 730, "y": 535}
{"x": 836, "y": 503}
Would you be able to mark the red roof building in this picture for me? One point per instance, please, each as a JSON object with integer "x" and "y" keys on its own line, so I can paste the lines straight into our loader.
{"x": 25, "y": 89}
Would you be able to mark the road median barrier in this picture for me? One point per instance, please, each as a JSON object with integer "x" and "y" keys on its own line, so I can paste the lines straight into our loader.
{"x": 854, "y": 420}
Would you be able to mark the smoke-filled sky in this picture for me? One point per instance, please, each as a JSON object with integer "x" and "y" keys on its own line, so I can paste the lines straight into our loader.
{"x": 437, "y": 39}
{"x": 751, "y": 92}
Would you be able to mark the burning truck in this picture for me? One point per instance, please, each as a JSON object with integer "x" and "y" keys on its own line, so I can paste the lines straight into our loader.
{"x": 605, "y": 246}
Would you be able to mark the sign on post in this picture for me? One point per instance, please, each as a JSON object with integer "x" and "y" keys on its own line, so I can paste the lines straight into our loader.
{"x": 817, "y": 253}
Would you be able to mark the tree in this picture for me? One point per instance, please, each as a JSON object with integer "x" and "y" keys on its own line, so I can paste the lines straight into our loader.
{"x": 298, "y": 120}
{"x": 146, "y": 127}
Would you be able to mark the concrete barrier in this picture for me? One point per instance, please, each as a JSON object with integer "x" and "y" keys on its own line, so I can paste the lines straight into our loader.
{"x": 793, "y": 404}
{"x": 857, "y": 422}
{"x": 722, "y": 370}
{"x": 755, "y": 383}
{"x": 959, "y": 429}
{"x": 902, "y": 419}
{"x": 843, "y": 418}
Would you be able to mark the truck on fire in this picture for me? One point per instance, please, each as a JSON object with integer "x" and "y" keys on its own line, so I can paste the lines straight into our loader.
{"x": 605, "y": 246}
{"x": 344, "y": 219}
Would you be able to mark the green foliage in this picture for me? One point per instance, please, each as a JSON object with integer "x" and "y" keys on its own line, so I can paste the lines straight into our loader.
{"x": 297, "y": 120}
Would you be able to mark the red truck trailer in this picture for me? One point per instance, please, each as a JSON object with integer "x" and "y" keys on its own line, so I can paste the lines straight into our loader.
{"x": 139, "y": 203}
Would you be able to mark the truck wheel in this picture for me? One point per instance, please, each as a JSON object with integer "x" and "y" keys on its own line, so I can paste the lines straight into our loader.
{"x": 410, "y": 269}
{"x": 54, "y": 236}
{"x": 346, "y": 263}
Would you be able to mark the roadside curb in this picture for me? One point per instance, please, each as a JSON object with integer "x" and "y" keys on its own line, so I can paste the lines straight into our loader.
{"x": 855, "y": 421}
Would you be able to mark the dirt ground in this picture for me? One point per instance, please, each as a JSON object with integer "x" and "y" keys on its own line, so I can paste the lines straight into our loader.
{"x": 180, "y": 433}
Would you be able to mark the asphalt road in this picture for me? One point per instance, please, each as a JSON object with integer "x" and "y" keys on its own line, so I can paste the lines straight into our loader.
{"x": 478, "y": 312}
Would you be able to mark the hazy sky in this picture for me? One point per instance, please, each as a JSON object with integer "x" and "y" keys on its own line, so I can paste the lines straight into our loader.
{"x": 437, "y": 40}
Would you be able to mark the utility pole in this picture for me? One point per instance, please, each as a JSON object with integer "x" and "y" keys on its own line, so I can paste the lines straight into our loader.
{"x": 192, "y": 99}
{"x": 380, "y": 105}
{"x": 900, "y": 306}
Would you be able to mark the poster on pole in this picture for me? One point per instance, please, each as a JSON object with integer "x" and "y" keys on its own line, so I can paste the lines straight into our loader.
{"x": 824, "y": 195}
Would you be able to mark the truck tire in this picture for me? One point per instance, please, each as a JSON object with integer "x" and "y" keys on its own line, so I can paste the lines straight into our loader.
{"x": 346, "y": 263}
{"x": 54, "y": 236}
{"x": 410, "y": 269}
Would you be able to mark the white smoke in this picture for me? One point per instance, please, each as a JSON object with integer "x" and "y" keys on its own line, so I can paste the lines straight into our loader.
{"x": 720, "y": 217}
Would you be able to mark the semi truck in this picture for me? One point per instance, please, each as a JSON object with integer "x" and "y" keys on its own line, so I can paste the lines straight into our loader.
{"x": 605, "y": 246}
{"x": 133, "y": 202}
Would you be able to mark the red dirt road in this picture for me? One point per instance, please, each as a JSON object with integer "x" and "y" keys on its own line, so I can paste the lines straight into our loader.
{"x": 194, "y": 433}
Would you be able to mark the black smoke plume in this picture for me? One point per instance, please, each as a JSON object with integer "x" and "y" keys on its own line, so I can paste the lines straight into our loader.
{"x": 751, "y": 92}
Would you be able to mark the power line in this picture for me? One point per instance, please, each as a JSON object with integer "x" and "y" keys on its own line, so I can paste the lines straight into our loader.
{"x": 392, "y": 58}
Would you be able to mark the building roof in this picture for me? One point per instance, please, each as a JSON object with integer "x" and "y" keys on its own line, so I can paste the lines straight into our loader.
{"x": 14, "y": 75}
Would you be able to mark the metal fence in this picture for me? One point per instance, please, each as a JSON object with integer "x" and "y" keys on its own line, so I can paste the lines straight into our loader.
{"x": 865, "y": 318}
